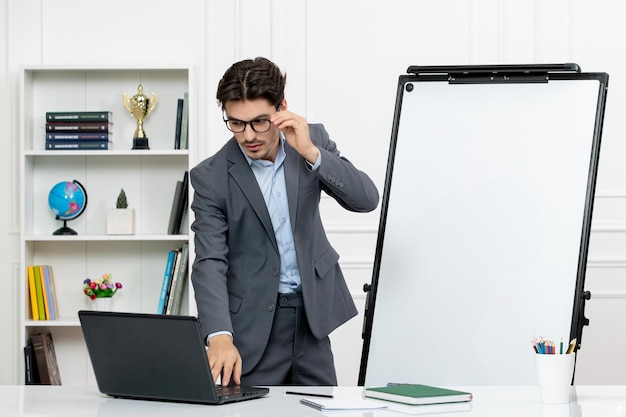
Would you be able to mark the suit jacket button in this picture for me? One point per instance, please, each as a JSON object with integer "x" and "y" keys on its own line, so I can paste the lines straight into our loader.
{"x": 276, "y": 272}
{"x": 271, "y": 307}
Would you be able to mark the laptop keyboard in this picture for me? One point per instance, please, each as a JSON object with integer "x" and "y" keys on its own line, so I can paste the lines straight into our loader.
{"x": 229, "y": 390}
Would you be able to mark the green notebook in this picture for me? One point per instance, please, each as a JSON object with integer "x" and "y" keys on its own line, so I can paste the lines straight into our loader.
{"x": 416, "y": 394}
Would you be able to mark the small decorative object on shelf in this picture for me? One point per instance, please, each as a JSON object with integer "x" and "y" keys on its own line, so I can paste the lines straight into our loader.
{"x": 140, "y": 107}
{"x": 121, "y": 202}
{"x": 121, "y": 220}
{"x": 101, "y": 291}
{"x": 68, "y": 200}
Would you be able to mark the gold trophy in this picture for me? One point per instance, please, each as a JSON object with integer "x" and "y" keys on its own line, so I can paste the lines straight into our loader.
{"x": 140, "y": 107}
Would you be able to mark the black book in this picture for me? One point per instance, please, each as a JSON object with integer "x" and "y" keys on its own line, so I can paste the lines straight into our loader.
{"x": 171, "y": 228}
{"x": 179, "y": 205}
{"x": 179, "y": 123}
{"x": 31, "y": 373}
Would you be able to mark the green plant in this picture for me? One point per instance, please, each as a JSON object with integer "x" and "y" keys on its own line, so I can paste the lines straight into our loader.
{"x": 104, "y": 287}
{"x": 121, "y": 203}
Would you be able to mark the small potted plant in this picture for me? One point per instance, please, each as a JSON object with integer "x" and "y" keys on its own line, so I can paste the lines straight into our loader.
{"x": 101, "y": 291}
{"x": 121, "y": 219}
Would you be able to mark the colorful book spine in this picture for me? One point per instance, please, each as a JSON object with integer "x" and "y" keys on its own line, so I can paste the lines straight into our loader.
{"x": 34, "y": 304}
{"x": 50, "y": 293}
{"x": 79, "y": 145}
{"x": 79, "y": 116}
{"x": 76, "y": 136}
{"x": 173, "y": 283}
{"x": 181, "y": 281}
{"x": 40, "y": 305}
{"x": 167, "y": 276}
{"x": 44, "y": 292}
{"x": 55, "y": 304}
{"x": 79, "y": 127}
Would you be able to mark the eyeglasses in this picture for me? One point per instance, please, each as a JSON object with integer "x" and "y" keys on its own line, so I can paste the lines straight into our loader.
{"x": 258, "y": 125}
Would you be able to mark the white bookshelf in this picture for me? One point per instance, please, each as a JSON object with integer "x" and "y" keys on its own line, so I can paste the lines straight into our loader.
{"x": 148, "y": 177}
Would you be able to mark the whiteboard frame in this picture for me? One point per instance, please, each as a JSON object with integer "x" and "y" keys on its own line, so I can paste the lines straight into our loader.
{"x": 398, "y": 363}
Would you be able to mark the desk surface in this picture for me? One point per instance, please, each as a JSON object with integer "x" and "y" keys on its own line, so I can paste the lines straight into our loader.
{"x": 40, "y": 401}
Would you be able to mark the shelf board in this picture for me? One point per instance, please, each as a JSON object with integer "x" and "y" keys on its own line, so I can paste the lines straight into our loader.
{"x": 60, "y": 322}
{"x": 112, "y": 153}
{"x": 104, "y": 238}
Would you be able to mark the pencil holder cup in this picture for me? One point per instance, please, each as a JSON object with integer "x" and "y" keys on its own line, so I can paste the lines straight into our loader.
{"x": 554, "y": 376}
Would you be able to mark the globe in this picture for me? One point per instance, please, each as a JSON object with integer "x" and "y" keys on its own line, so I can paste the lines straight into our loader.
{"x": 67, "y": 200}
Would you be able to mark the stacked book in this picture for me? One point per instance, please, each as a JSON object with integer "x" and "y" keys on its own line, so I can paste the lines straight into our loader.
{"x": 42, "y": 293}
{"x": 79, "y": 130}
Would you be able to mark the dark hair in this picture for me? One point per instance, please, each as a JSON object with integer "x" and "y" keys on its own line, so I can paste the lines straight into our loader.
{"x": 251, "y": 79}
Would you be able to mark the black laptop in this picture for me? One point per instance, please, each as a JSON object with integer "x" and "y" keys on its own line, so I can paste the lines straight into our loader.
{"x": 154, "y": 357}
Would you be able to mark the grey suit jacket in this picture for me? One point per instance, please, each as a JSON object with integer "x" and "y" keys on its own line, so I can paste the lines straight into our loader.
{"x": 236, "y": 270}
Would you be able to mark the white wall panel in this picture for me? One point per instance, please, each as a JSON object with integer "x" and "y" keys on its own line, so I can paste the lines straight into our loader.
{"x": 9, "y": 169}
{"x": 255, "y": 24}
{"x": 597, "y": 33}
{"x": 519, "y": 32}
{"x": 121, "y": 32}
{"x": 553, "y": 31}
{"x": 289, "y": 37}
{"x": 600, "y": 359}
{"x": 485, "y": 32}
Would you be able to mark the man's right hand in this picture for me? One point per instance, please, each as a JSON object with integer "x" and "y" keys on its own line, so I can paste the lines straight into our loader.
{"x": 224, "y": 359}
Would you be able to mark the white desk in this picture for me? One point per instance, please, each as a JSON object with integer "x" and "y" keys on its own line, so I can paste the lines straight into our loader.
{"x": 40, "y": 401}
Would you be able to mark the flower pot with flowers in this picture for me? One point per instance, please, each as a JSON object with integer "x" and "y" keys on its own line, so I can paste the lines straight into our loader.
{"x": 101, "y": 291}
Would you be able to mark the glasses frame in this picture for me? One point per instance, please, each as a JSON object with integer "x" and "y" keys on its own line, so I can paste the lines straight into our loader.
{"x": 245, "y": 125}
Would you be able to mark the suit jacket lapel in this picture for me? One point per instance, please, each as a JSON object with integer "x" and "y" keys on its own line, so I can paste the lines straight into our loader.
{"x": 292, "y": 181}
{"x": 242, "y": 174}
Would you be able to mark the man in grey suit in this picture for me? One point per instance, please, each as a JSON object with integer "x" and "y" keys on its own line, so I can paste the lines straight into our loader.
{"x": 267, "y": 282}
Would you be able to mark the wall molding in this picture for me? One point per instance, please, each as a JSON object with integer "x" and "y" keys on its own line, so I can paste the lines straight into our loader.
{"x": 603, "y": 263}
{"x": 608, "y": 227}
{"x": 351, "y": 228}
{"x": 354, "y": 263}
{"x": 607, "y": 295}
{"x": 610, "y": 194}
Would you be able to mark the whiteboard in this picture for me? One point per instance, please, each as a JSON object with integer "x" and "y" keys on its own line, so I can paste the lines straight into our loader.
{"x": 485, "y": 223}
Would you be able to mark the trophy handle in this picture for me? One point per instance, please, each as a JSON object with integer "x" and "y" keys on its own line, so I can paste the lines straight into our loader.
{"x": 152, "y": 103}
{"x": 125, "y": 101}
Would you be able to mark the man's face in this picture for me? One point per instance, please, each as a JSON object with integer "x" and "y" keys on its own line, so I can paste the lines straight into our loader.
{"x": 254, "y": 113}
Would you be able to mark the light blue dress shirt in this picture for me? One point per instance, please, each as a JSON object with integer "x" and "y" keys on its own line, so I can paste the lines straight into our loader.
{"x": 271, "y": 179}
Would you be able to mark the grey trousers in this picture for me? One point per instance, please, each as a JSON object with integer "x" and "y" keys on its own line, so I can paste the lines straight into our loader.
{"x": 293, "y": 355}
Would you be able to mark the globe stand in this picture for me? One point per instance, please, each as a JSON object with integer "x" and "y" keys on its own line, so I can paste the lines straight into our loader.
{"x": 62, "y": 231}
{"x": 68, "y": 200}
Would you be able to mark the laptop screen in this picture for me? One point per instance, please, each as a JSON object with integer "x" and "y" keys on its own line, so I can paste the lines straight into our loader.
{"x": 148, "y": 356}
